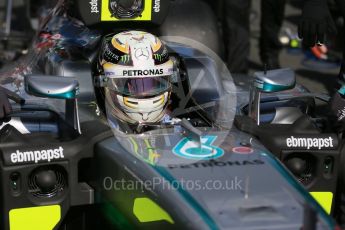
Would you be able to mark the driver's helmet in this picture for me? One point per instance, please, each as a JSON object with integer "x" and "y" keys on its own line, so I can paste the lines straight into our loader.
{"x": 138, "y": 71}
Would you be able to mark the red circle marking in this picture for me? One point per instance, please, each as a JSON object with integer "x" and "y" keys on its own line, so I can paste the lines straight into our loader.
{"x": 242, "y": 150}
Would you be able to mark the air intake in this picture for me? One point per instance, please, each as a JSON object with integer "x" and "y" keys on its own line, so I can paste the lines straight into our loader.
{"x": 47, "y": 181}
{"x": 303, "y": 167}
{"x": 122, "y": 9}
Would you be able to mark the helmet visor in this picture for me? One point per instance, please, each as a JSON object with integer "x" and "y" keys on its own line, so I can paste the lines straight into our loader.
{"x": 140, "y": 87}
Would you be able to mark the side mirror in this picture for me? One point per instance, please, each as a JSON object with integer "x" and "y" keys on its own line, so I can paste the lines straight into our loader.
{"x": 51, "y": 86}
{"x": 57, "y": 87}
{"x": 268, "y": 82}
{"x": 274, "y": 80}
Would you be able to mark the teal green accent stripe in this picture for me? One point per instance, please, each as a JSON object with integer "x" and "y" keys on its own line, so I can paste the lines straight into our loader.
{"x": 197, "y": 207}
{"x": 342, "y": 90}
{"x": 272, "y": 88}
{"x": 291, "y": 180}
{"x": 68, "y": 95}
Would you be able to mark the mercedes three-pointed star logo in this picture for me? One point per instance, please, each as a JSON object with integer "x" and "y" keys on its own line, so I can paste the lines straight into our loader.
{"x": 142, "y": 54}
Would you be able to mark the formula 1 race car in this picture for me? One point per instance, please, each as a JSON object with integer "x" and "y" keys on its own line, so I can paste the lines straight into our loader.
{"x": 236, "y": 152}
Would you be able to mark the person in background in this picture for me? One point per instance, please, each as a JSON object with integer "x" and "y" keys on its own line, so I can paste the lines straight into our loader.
{"x": 316, "y": 22}
{"x": 236, "y": 34}
{"x": 272, "y": 17}
{"x": 236, "y": 29}
{"x": 234, "y": 16}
